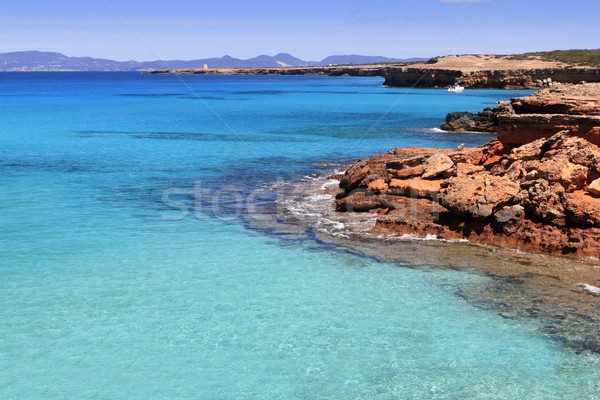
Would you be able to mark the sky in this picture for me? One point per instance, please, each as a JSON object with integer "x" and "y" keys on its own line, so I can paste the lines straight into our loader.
{"x": 310, "y": 29}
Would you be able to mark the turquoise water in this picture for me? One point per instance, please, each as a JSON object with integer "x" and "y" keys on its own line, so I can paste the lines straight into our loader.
{"x": 109, "y": 292}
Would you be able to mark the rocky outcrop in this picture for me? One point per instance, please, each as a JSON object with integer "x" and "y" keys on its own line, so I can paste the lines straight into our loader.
{"x": 486, "y": 79}
{"x": 484, "y": 121}
{"x": 560, "y": 107}
{"x": 543, "y": 195}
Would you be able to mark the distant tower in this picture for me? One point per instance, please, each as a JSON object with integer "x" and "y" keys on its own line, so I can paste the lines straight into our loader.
{"x": 204, "y": 66}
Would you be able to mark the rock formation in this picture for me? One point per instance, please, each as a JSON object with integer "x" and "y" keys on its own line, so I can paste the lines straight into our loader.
{"x": 543, "y": 195}
{"x": 488, "y": 71}
{"x": 534, "y": 187}
{"x": 572, "y": 107}
{"x": 484, "y": 121}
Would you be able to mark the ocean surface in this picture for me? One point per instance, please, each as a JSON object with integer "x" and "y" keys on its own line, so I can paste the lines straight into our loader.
{"x": 128, "y": 270}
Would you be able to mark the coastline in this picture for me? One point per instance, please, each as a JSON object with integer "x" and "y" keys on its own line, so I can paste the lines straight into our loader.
{"x": 523, "y": 284}
{"x": 333, "y": 70}
{"x": 471, "y": 71}
{"x": 544, "y": 263}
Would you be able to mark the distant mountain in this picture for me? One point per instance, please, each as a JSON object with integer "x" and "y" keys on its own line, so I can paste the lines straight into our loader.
{"x": 356, "y": 59}
{"x": 49, "y": 61}
{"x": 46, "y": 61}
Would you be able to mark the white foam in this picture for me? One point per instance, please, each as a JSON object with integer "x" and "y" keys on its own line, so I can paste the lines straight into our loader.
{"x": 429, "y": 238}
{"x": 330, "y": 184}
{"x": 593, "y": 290}
{"x": 320, "y": 197}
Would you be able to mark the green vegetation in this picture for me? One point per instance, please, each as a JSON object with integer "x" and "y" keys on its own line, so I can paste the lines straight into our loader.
{"x": 579, "y": 57}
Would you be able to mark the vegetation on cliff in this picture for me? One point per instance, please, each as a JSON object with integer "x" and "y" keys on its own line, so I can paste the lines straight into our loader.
{"x": 576, "y": 56}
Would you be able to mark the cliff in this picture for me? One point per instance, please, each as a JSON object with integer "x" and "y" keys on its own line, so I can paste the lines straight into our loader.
{"x": 341, "y": 70}
{"x": 575, "y": 108}
{"x": 488, "y": 72}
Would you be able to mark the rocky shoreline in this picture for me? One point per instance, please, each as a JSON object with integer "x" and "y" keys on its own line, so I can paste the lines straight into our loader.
{"x": 537, "y": 187}
{"x": 472, "y": 71}
{"x": 488, "y": 71}
{"x": 526, "y": 215}
{"x": 556, "y": 291}
{"x": 334, "y": 70}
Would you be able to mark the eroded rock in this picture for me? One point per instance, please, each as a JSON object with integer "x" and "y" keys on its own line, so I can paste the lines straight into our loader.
{"x": 436, "y": 166}
{"x": 478, "y": 196}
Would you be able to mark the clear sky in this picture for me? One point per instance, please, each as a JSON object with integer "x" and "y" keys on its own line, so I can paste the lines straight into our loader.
{"x": 308, "y": 29}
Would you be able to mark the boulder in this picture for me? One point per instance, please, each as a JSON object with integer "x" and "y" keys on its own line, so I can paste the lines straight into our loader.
{"x": 436, "y": 166}
{"x": 544, "y": 201}
{"x": 478, "y": 196}
{"x": 583, "y": 209}
{"x": 529, "y": 151}
{"x": 594, "y": 187}
{"x": 407, "y": 167}
{"x": 559, "y": 169}
{"x": 471, "y": 156}
{"x": 354, "y": 176}
{"x": 468, "y": 169}
{"x": 509, "y": 218}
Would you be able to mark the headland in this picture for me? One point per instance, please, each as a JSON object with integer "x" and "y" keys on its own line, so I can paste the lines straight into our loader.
{"x": 471, "y": 71}
{"x": 331, "y": 70}
{"x": 490, "y": 71}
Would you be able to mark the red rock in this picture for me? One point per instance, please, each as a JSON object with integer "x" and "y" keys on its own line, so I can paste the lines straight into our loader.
{"x": 403, "y": 152}
{"x": 593, "y": 135}
{"x": 354, "y": 176}
{"x": 407, "y": 167}
{"x": 492, "y": 160}
{"x": 559, "y": 169}
{"x": 358, "y": 201}
{"x": 378, "y": 186}
{"x": 539, "y": 195}
{"x": 468, "y": 169}
{"x": 594, "y": 188}
{"x": 478, "y": 196}
{"x": 415, "y": 188}
{"x": 575, "y": 108}
{"x": 583, "y": 209}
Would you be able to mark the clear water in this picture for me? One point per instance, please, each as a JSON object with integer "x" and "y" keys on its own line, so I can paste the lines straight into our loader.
{"x": 108, "y": 293}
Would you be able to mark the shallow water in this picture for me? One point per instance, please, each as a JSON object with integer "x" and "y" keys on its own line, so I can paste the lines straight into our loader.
{"x": 116, "y": 285}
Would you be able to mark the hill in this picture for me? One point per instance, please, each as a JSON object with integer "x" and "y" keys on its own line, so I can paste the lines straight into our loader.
{"x": 50, "y": 61}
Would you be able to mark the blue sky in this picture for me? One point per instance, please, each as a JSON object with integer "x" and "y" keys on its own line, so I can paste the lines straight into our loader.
{"x": 308, "y": 29}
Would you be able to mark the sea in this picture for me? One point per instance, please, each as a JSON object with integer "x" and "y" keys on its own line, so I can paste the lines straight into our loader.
{"x": 130, "y": 269}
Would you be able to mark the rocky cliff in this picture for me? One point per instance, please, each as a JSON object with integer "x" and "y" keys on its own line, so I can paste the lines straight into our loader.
{"x": 488, "y": 71}
{"x": 503, "y": 79}
{"x": 575, "y": 108}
